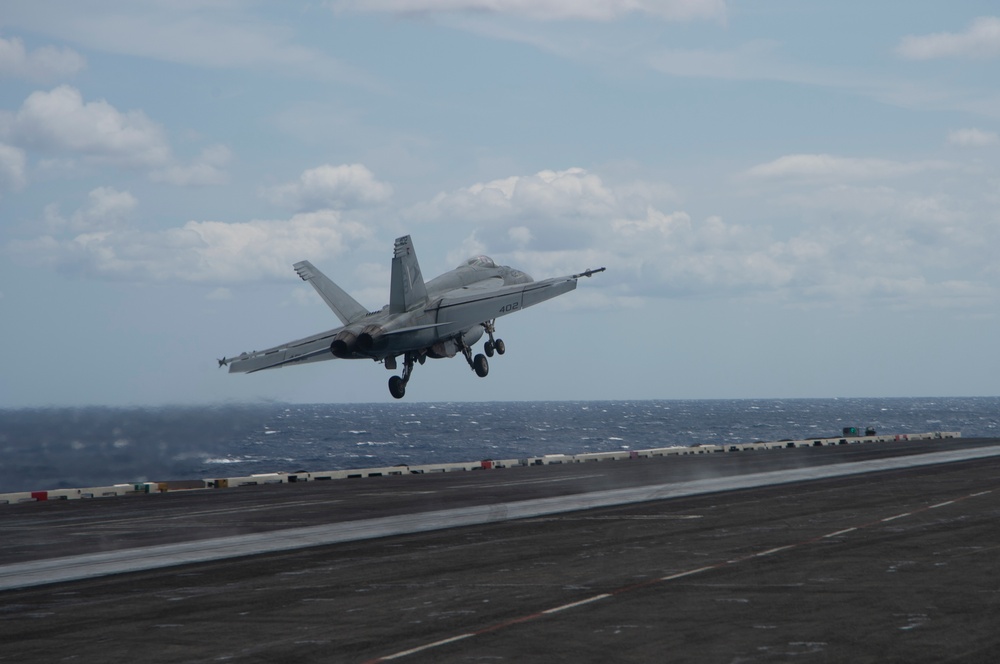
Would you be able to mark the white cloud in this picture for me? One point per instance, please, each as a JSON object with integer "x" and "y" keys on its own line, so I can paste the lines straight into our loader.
{"x": 549, "y": 10}
{"x": 327, "y": 186}
{"x": 12, "y": 162}
{"x": 547, "y": 194}
{"x": 825, "y": 166}
{"x": 260, "y": 249}
{"x": 210, "y": 252}
{"x": 845, "y": 245}
{"x": 60, "y": 121}
{"x": 673, "y": 254}
{"x": 889, "y": 219}
{"x": 973, "y": 138}
{"x": 106, "y": 209}
{"x": 206, "y": 170}
{"x": 889, "y": 246}
{"x": 45, "y": 63}
{"x": 222, "y": 35}
{"x": 520, "y": 235}
{"x": 559, "y": 222}
{"x": 980, "y": 40}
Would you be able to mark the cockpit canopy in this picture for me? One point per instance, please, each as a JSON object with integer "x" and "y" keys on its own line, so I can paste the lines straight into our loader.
{"x": 479, "y": 261}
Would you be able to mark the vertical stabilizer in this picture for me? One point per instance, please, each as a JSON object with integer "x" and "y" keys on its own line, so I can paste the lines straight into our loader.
{"x": 346, "y": 307}
{"x": 406, "y": 287}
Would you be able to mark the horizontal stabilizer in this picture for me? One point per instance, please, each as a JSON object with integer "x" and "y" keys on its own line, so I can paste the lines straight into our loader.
{"x": 301, "y": 351}
{"x": 348, "y": 309}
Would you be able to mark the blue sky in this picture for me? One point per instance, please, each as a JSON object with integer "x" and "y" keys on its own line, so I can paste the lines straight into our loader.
{"x": 792, "y": 199}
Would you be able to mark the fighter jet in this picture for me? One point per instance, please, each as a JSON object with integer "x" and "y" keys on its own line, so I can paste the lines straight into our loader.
{"x": 440, "y": 318}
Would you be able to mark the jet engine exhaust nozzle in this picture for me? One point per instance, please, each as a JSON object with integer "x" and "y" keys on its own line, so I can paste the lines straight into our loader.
{"x": 343, "y": 344}
{"x": 370, "y": 336}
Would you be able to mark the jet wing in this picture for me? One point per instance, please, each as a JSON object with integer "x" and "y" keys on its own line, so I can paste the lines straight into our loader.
{"x": 311, "y": 349}
{"x": 469, "y": 306}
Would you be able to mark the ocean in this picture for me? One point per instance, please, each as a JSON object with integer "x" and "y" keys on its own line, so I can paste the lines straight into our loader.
{"x": 52, "y": 448}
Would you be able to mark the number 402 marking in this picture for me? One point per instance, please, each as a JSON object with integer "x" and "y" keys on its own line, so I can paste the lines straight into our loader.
{"x": 513, "y": 306}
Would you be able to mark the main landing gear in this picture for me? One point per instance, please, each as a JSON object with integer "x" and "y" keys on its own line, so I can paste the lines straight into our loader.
{"x": 479, "y": 363}
{"x": 397, "y": 384}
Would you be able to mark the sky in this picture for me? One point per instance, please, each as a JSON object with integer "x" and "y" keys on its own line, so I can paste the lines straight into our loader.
{"x": 792, "y": 199}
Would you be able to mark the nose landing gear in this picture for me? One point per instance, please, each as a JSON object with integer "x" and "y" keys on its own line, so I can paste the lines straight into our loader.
{"x": 492, "y": 345}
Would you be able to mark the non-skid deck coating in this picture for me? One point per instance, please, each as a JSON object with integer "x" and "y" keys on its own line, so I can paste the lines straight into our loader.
{"x": 896, "y": 564}
{"x": 134, "y": 559}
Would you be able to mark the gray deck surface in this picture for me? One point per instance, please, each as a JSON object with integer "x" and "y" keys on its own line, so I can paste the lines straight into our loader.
{"x": 892, "y": 565}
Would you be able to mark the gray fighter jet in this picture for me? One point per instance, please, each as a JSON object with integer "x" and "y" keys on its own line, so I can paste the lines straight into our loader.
{"x": 440, "y": 318}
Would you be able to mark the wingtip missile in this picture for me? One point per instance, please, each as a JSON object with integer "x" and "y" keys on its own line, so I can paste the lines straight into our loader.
{"x": 223, "y": 362}
{"x": 589, "y": 272}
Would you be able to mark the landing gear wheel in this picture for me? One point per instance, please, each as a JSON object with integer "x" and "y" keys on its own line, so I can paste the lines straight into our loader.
{"x": 397, "y": 388}
{"x": 481, "y": 366}
{"x": 493, "y": 345}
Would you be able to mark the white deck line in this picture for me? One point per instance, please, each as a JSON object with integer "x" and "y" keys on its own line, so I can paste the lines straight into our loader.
{"x": 86, "y": 566}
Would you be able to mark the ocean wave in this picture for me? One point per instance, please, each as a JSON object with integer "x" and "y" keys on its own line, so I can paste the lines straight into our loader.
{"x": 52, "y": 448}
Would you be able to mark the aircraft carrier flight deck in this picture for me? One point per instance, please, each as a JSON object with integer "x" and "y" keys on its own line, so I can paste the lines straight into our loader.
{"x": 867, "y": 553}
